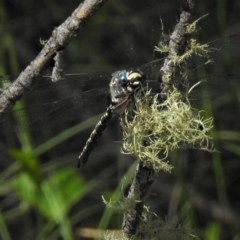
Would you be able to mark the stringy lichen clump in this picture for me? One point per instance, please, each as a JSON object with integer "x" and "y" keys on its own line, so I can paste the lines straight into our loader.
{"x": 193, "y": 47}
{"x": 155, "y": 129}
{"x": 152, "y": 227}
{"x": 121, "y": 206}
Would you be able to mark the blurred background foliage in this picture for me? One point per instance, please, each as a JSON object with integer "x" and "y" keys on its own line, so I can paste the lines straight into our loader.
{"x": 42, "y": 193}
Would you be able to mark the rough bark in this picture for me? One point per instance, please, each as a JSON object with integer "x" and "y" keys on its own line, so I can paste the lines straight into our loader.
{"x": 144, "y": 177}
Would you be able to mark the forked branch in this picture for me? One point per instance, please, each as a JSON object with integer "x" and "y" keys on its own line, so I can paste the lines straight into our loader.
{"x": 61, "y": 37}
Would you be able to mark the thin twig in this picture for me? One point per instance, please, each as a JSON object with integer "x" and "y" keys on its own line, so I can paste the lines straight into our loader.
{"x": 58, "y": 72}
{"x": 61, "y": 37}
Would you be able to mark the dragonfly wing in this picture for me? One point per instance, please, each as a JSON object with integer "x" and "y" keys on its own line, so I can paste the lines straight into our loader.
{"x": 56, "y": 113}
{"x": 217, "y": 89}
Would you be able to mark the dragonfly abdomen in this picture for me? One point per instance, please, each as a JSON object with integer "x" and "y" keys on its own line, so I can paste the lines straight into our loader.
{"x": 95, "y": 135}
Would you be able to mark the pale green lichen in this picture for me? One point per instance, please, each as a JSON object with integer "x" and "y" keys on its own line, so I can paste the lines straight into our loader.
{"x": 162, "y": 48}
{"x": 155, "y": 129}
{"x": 192, "y": 28}
{"x": 120, "y": 206}
{"x": 193, "y": 49}
{"x": 164, "y": 39}
{"x": 153, "y": 228}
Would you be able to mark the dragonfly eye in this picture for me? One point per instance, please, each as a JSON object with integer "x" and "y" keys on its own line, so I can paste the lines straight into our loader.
{"x": 135, "y": 77}
{"x": 122, "y": 78}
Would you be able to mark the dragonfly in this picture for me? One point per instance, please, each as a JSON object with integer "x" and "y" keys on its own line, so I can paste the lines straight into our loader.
{"x": 85, "y": 89}
{"x": 46, "y": 115}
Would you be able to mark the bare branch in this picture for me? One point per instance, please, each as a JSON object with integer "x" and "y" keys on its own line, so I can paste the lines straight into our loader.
{"x": 61, "y": 37}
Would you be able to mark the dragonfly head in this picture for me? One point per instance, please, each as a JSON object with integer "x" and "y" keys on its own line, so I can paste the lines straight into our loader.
{"x": 124, "y": 83}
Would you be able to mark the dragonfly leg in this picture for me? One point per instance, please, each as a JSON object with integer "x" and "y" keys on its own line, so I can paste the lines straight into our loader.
{"x": 124, "y": 105}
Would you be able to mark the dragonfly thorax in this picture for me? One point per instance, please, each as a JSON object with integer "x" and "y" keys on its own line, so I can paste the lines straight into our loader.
{"x": 124, "y": 83}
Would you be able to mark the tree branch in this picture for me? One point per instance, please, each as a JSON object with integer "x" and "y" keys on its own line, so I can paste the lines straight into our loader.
{"x": 177, "y": 44}
{"x": 144, "y": 176}
{"x": 61, "y": 37}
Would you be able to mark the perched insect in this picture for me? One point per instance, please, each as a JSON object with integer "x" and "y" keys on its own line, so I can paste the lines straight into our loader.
{"x": 122, "y": 87}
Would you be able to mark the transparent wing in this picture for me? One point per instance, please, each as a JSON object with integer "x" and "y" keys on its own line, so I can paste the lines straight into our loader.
{"x": 77, "y": 81}
{"x": 57, "y": 113}
{"x": 213, "y": 88}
